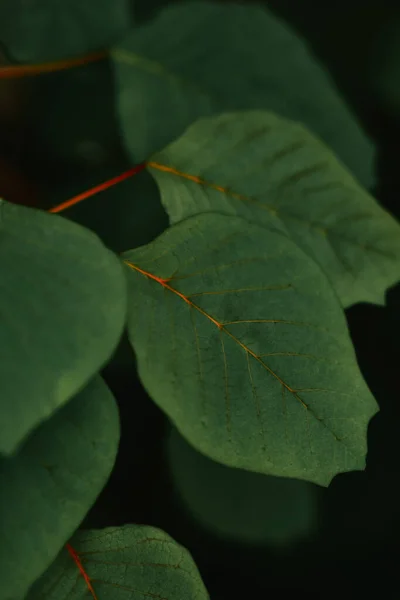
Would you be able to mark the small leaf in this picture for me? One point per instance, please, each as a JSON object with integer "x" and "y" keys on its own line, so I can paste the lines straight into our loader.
{"x": 49, "y": 486}
{"x": 48, "y": 30}
{"x": 133, "y": 561}
{"x": 201, "y": 58}
{"x": 241, "y": 341}
{"x": 62, "y": 312}
{"x": 275, "y": 173}
{"x": 239, "y": 505}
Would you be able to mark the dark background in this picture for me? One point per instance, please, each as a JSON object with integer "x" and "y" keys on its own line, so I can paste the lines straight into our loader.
{"x": 58, "y": 137}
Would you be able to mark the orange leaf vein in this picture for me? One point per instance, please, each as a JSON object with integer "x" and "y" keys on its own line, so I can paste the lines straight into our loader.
{"x": 77, "y": 560}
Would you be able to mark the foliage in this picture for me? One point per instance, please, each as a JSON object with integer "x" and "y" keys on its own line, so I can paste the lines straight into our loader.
{"x": 274, "y": 173}
{"x": 244, "y": 323}
{"x": 69, "y": 327}
{"x": 140, "y": 560}
{"x": 235, "y": 311}
{"x": 48, "y": 487}
{"x": 165, "y": 83}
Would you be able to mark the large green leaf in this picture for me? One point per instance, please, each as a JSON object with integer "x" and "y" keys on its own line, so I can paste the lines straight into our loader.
{"x": 48, "y": 487}
{"x": 239, "y": 505}
{"x": 46, "y": 30}
{"x": 275, "y": 173}
{"x": 134, "y": 561}
{"x": 62, "y": 312}
{"x": 202, "y": 58}
{"x": 241, "y": 340}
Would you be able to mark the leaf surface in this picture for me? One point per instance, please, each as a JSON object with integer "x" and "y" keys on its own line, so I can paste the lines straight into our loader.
{"x": 62, "y": 312}
{"x": 201, "y": 58}
{"x": 48, "y": 30}
{"x": 274, "y": 172}
{"x": 49, "y": 486}
{"x": 133, "y": 561}
{"x": 241, "y": 341}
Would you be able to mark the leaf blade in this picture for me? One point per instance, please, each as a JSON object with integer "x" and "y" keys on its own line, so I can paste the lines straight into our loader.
{"x": 274, "y": 172}
{"x": 209, "y": 349}
{"x": 165, "y": 84}
{"x": 48, "y": 487}
{"x": 62, "y": 310}
{"x": 139, "y": 559}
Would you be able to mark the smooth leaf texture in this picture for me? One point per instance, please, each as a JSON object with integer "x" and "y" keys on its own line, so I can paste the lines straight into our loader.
{"x": 201, "y": 58}
{"x": 239, "y": 505}
{"x": 242, "y": 342}
{"x": 275, "y": 173}
{"x": 131, "y": 562}
{"x": 62, "y": 312}
{"x": 48, "y": 487}
{"x": 46, "y": 30}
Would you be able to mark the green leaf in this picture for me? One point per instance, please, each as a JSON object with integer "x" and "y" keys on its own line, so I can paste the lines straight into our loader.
{"x": 201, "y": 58}
{"x": 273, "y": 172}
{"x": 133, "y": 561}
{"x": 238, "y": 505}
{"x": 62, "y": 312}
{"x": 48, "y": 487}
{"x": 241, "y": 341}
{"x": 47, "y": 30}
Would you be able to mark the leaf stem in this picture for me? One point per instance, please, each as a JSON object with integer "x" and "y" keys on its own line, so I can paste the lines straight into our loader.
{"x": 98, "y": 188}
{"x": 17, "y": 71}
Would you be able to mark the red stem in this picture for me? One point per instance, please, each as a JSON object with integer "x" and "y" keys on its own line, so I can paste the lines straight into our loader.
{"x": 98, "y": 188}
{"x": 14, "y": 71}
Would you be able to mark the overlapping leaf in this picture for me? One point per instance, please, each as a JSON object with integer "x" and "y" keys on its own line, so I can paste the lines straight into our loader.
{"x": 48, "y": 487}
{"x": 241, "y": 340}
{"x": 62, "y": 312}
{"x": 275, "y": 173}
{"x": 201, "y": 58}
{"x": 240, "y": 505}
{"x": 46, "y": 30}
{"x": 134, "y": 561}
